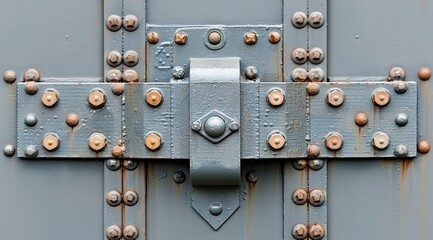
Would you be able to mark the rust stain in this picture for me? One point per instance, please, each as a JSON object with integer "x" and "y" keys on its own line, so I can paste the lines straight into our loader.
{"x": 405, "y": 165}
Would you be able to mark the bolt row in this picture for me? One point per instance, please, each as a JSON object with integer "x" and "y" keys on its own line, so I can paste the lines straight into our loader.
{"x": 114, "y": 198}
{"x": 301, "y": 55}
{"x": 129, "y": 232}
{"x": 315, "y": 197}
{"x": 313, "y": 75}
{"x": 301, "y": 164}
{"x": 129, "y": 22}
{"x": 314, "y": 231}
{"x": 314, "y": 19}
{"x": 129, "y": 58}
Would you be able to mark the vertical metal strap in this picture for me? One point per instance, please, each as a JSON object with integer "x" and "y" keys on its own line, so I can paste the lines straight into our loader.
{"x": 112, "y": 37}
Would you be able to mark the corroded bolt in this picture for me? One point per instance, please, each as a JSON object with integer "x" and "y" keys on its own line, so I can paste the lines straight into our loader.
{"x": 130, "y": 75}
{"x": 380, "y": 140}
{"x": 9, "y": 76}
{"x": 381, "y": 97}
{"x": 130, "y": 58}
{"x": 401, "y": 119}
{"x": 317, "y": 198}
{"x": 117, "y": 88}
{"x": 276, "y": 141}
{"x": 51, "y": 141}
{"x": 299, "y": 75}
{"x": 396, "y": 73}
{"x": 313, "y": 88}
{"x": 31, "y": 88}
{"x": 179, "y": 177}
{"x": 316, "y": 55}
{"x": 316, "y": 232}
{"x": 299, "y": 196}
{"x": 114, "y": 58}
{"x": 113, "y": 164}
{"x": 361, "y": 119}
{"x": 274, "y": 37}
{"x": 299, "y": 55}
{"x": 250, "y": 38}
{"x": 152, "y": 141}
{"x": 276, "y": 97}
{"x": 130, "y": 232}
{"x": 313, "y": 151}
{"x": 130, "y": 198}
{"x": 423, "y": 147}
{"x": 32, "y": 74}
{"x": 50, "y": 97}
{"x": 96, "y": 98}
{"x": 299, "y": 19}
{"x": 72, "y": 119}
{"x": 181, "y": 38}
{"x": 153, "y": 37}
{"x": 154, "y": 97}
{"x": 316, "y": 75}
{"x": 130, "y": 23}
{"x": 299, "y": 164}
{"x": 335, "y": 97}
{"x": 251, "y": 72}
{"x": 251, "y": 177}
{"x": 113, "y": 198}
{"x": 214, "y": 37}
{"x": 401, "y": 151}
{"x": 316, "y": 164}
{"x": 424, "y": 73}
{"x": 299, "y": 231}
{"x": 400, "y": 87}
{"x": 113, "y": 75}
{"x": 316, "y": 19}
{"x": 113, "y": 23}
{"x": 334, "y": 141}
{"x": 130, "y": 164}
{"x": 113, "y": 232}
{"x": 117, "y": 151}
{"x": 178, "y": 72}
{"x": 97, "y": 142}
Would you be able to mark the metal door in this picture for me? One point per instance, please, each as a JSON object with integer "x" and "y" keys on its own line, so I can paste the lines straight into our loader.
{"x": 145, "y": 119}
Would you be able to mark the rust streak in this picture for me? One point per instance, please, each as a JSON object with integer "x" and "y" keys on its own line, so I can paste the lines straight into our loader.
{"x": 405, "y": 165}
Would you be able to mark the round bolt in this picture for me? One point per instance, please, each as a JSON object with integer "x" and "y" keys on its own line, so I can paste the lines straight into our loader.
{"x": 381, "y": 97}
{"x": 250, "y": 38}
{"x": 31, "y": 120}
{"x": 113, "y": 232}
{"x": 299, "y": 75}
{"x": 401, "y": 119}
{"x": 276, "y": 97}
{"x": 396, "y": 73}
{"x": 117, "y": 151}
{"x": 251, "y": 177}
{"x": 130, "y": 232}
{"x": 51, "y": 142}
{"x": 316, "y": 19}
{"x": 114, "y": 23}
{"x": 113, "y": 75}
{"x": 335, "y": 97}
{"x": 299, "y": 19}
{"x": 400, "y": 87}
{"x": 130, "y": 23}
{"x": 299, "y": 164}
{"x": 181, "y": 38}
{"x": 130, "y": 75}
{"x": 96, "y": 98}
{"x": 380, "y": 140}
{"x": 196, "y": 126}
{"x": 153, "y": 37}
{"x": 299, "y": 55}
{"x": 72, "y": 119}
{"x": 316, "y": 55}
{"x": 251, "y": 72}
{"x": 361, "y": 119}
{"x": 215, "y": 126}
{"x": 424, "y": 73}
{"x": 178, "y": 72}
{"x": 130, "y": 198}
{"x": 299, "y": 196}
{"x": 31, "y": 88}
{"x": 313, "y": 88}
{"x": 316, "y": 232}
{"x": 153, "y": 141}
{"x": 234, "y": 126}
{"x": 9, "y": 76}
{"x": 179, "y": 177}
{"x": 401, "y": 151}
{"x": 9, "y": 150}
{"x": 423, "y": 147}
{"x": 316, "y": 75}
{"x": 214, "y": 37}
{"x": 30, "y": 151}
{"x": 215, "y": 208}
{"x": 274, "y": 37}
{"x": 313, "y": 151}
{"x": 316, "y": 164}
{"x": 117, "y": 88}
{"x": 114, "y": 58}
{"x": 113, "y": 198}
{"x": 299, "y": 231}
{"x": 97, "y": 142}
{"x": 32, "y": 74}
{"x": 276, "y": 141}
{"x": 334, "y": 141}
{"x": 113, "y": 164}
{"x": 130, "y": 164}
{"x": 130, "y": 58}
{"x": 154, "y": 97}
{"x": 317, "y": 198}
{"x": 50, "y": 97}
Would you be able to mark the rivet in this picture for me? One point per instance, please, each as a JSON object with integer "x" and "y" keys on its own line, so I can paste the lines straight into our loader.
{"x": 251, "y": 177}
{"x": 181, "y": 38}
{"x": 114, "y": 58}
{"x": 317, "y": 198}
{"x": 234, "y": 126}
{"x": 30, "y": 151}
{"x": 250, "y": 38}
{"x": 380, "y": 140}
{"x": 130, "y": 164}
{"x": 299, "y": 196}
{"x": 113, "y": 232}
{"x": 401, "y": 119}
{"x": 9, "y": 150}
{"x": 178, "y": 72}
{"x": 9, "y": 76}
{"x": 113, "y": 164}
{"x": 299, "y": 164}
{"x": 113, "y": 23}
{"x": 361, "y": 119}
{"x": 335, "y": 97}
{"x": 154, "y": 97}
{"x": 214, "y": 37}
{"x": 424, "y": 73}
{"x": 274, "y": 37}
{"x": 130, "y": 232}
{"x": 316, "y": 232}
{"x": 153, "y": 37}
{"x": 117, "y": 151}
{"x": 32, "y": 74}
{"x": 130, "y": 58}
{"x": 299, "y": 75}
{"x": 401, "y": 151}
{"x": 400, "y": 87}
{"x": 215, "y": 208}
{"x": 113, "y": 75}
{"x": 31, "y": 120}
{"x": 276, "y": 97}
{"x": 50, "y": 98}
{"x": 316, "y": 55}
{"x": 130, "y": 75}
{"x": 31, "y": 88}
{"x": 72, "y": 120}
{"x": 299, "y": 19}
{"x": 300, "y": 231}
{"x": 130, "y": 23}
{"x": 251, "y": 72}
{"x": 215, "y": 126}
{"x": 316, "y": 75}
{"x": 334, "y": 141}
{"x": 396, "y": 73}
{"x": 423, "y": 147}
{"x": 96, "y": 98}
{"x": 313, "y": 151}
{"x": 130, "y": 198}
{"x": 196, "y": 126}
{"x": 97, "y": 142}
{"x": 113, "y": 198}
{"x": 316, "y": 19}
{"x": 276, "y": 141}
{"x": 51, "y": 142}
{"x": 313, "y": 88}
{"x": 299, "y": 55}
{"x": 179, "y": 177}
{"x": 381, "y": 97}
{"x": 117, "y": 88}
{"x": 316, "y": 164}
{"x": 152, "y": 141}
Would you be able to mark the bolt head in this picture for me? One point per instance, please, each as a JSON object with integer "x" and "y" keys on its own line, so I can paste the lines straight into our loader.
{"x": 179, "y": 177}
{"x": 113, "y": 75}
{"x": 316, "y": 232}
{"x": 130, "y": 75}
{"x": 49, "y": 98}
{"x": 96, "y": 98}
{"x": 32, "y": 74}
{"x": 313, "y": 151}
{"x": 214, "y": 37}
{"x": 31, "y": 120}
{"x": 234, "y": 126}
{"x": 299, "y": 75}
{"x": 154, "y": 97}
{"x": 215, "y": 208}
{"x": 401, "y": 119}
{"x": 380, "y": 140}
{"x": 251, "y": 177}
{"x": 51, "y": 142}
{"x": 196, "y": 126}
{"x": 31, "y": 88}
{"x": 153, "y": 37}
{"x": 424, "y": 73}
{"x": 313, "y": 88}
{"x": 130, "y": 232}
{"x": 299, "y": 196}
{"x": 113, "y": 23}
{"x": 30, "y": 151}
{"x": 250, "y": 38}
{"x": 130, "y": 23}
{"x": 381, "y": 97}
{"x": 423, "y": 147}
{"x": 181, "y": 38}
{"x": 276, "y": 141}
{"x": 97, "y": 142}
{"x": 130, "y": 164}
{"x": 274, "y": 37}
{"x": 114, "y": 58}
{"x": 401, "y": 151}
{"x": 113, "y": 164}
{"x": 113, "y": 198}
{"x": 130, "y": 198}
{"x": 400, "y": 87}
{"x": 299, "y": 19}
{"x": 117, "y": 88}
{"x": 130, "y": 58}
{"x": 299, "y": 164}
{"x": 113, "y": 232}
{"x": 178, "y": 72}
{"x": 361, "y": 119}
{"x": 316, "y": 75}
{"x": 276, "y": 97}
{"x": 316, "y": 164}
{"x": 317, "y": 198}
{"x": 215, "y": 126}
{"x": 397, "y": 73}
{"x": 251, "y": 72}
{"x": 334, "y": 141}
{"x": 316, "y": 19}
{"x": 72, "y": 120}
{"x": 9, "y": 76}
{"x": 153, "y": 141}
{"x": 9, "y": 150}
{"x": 299, "y": 231}
{"x": 117, "y": 151}
{"x": 316, "y": 55}
{"x": 299, "y": 55}
{"x": 335, "y": 97}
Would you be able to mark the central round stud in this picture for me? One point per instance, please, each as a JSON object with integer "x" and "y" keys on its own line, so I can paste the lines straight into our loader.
{"x": 215, "y": 126}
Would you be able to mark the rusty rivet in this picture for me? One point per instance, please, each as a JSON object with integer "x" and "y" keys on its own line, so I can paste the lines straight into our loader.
{"x": 299, "y": 164}
{"x": 316, "y": 75}
{"x": 32, "y": 74}
{"x": 113, "y": 75}
{"x": 316, "y": 19}
{"x": 72, "y": 119}
{"x": 214, "y": 37}
{"x": 381, "y": 97}
{"x": 113, "y": 164}
{"x": 117, "y": 151}
{"x": 313, "y": 151}
{"x": 179, "y": 177}
{"x": 152, "y": 141}
{"x": 300, "y": 231}
{"x": 250, "y": 38}
{"x": 423, "y": 147}
{"x": 316, "y": 164}
{"x": 9, "y": 76}
{"x": 130, "y": 75}
{"x": 117, "y": 88}
{"x": 299, "y": 55}
{"x": 401, "y": 151}
{"x": 299, "y": 75}
{"x": 153, "y": 37}
{"x": 276, "y": 141}
{"x": 130, "y": 23}
{"x": 130, "y": 198}
{"x": 181, "y": 38}
{"x": 130, "y": 58}
{"x": 396, "y": 73}
{"x": 154, "y": 97}
{"x": 380, "y": 140}
{"x": 274, "y": 37}
{"x": 400, "y": 87}
{"x": 113, "y": 232}
{"x": 113, "y": 198}
{"x": 299, "y": 19}
{"x": 114, "y": 22}
{"x": 361, "y": 119}
{"x": 114, "y": 58}
{"x": 313, "y": 88}
{"x": 316, "y": 232}
{"x": 252, "y": 176}
{"x": 334, "y": 141}
{"x": 317, "y": 198}
{"x": 31, "y": 88}
{"x": 316, "y": 55}
{"x": 424, "y": 73}
{"x": 96, "y": 98}
{"x": 335, "y": 97}
{"x": 50, "y": 97}
{"x": 97, "y": 142}
{"x": 51, "y": 142}
{"x": 130, "y": 164}
{"x": 276, "y": 97}
{"x": 130, "y": 232}
{"x": 299, "y": 196}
